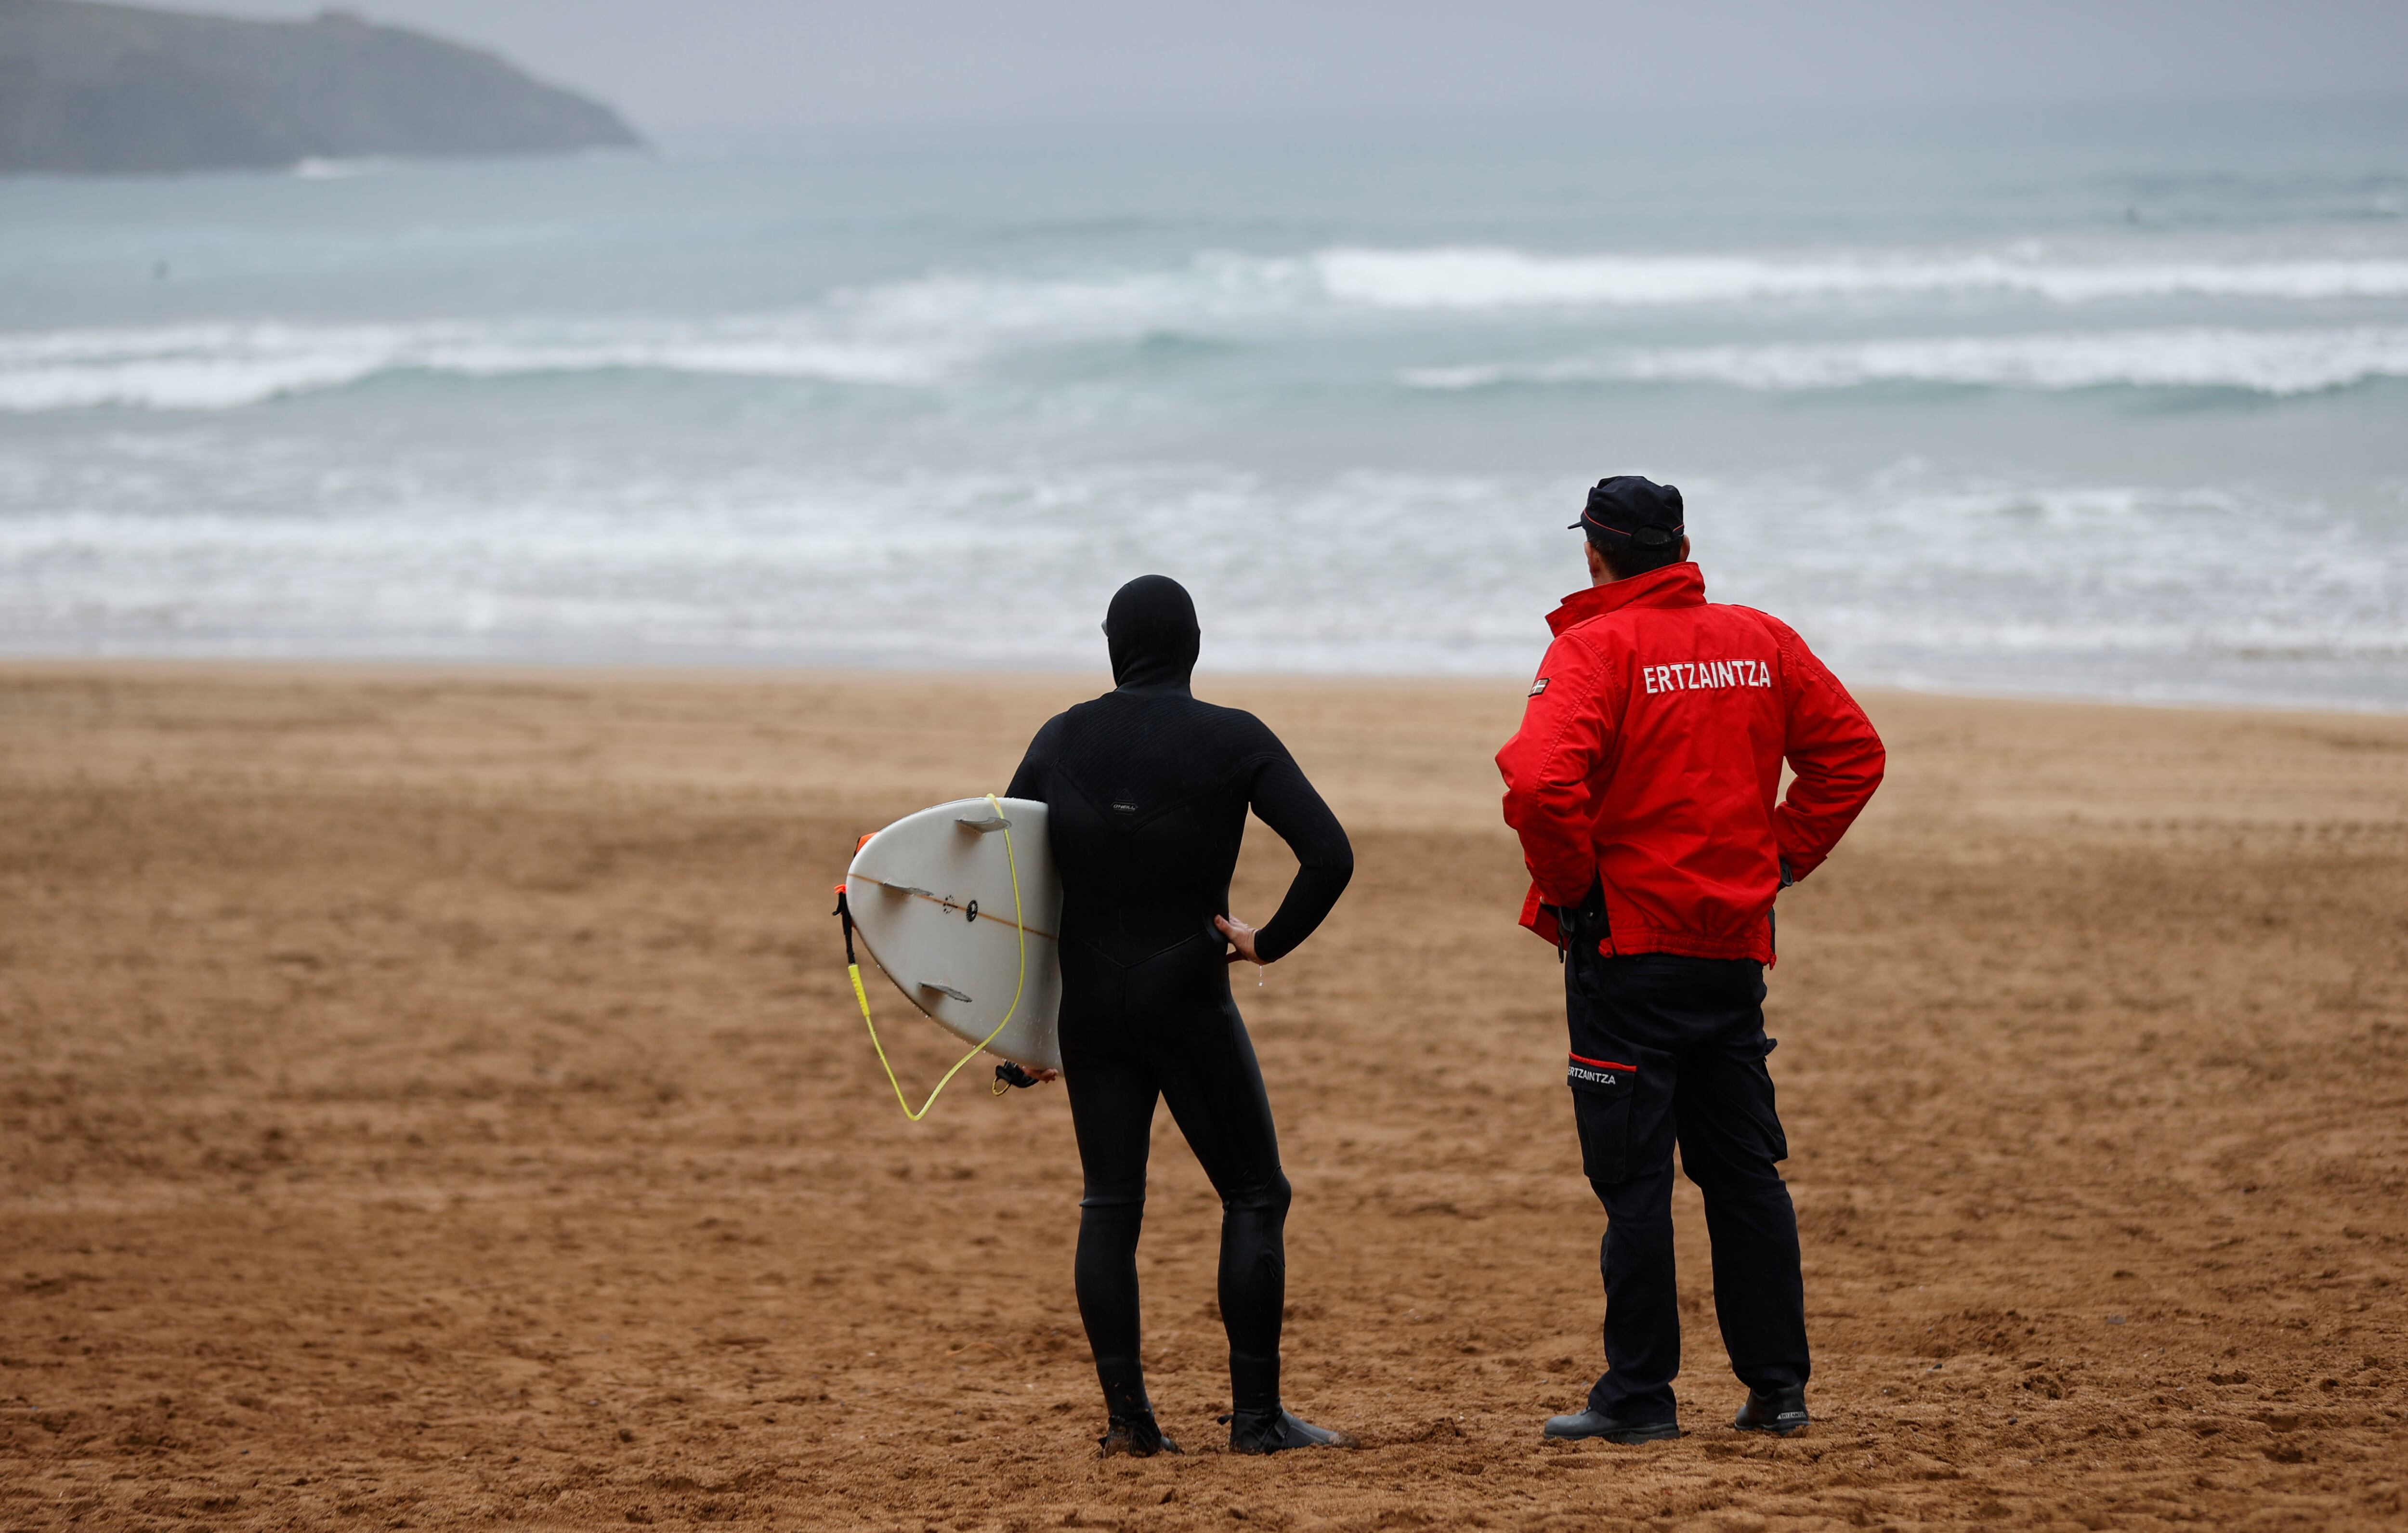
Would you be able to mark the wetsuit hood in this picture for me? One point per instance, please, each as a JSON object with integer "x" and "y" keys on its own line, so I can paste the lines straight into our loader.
{"x": 1151, "y": 628}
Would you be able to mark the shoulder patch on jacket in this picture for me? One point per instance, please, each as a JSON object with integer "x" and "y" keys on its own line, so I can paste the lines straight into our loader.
{"x": 1538, "y": 687}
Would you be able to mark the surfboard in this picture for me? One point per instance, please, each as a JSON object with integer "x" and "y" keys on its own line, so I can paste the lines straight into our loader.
{"x": 932, "y": 901}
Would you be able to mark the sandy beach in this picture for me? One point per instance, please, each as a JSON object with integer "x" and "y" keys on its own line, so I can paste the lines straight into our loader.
{"x": 432, "y": 1098}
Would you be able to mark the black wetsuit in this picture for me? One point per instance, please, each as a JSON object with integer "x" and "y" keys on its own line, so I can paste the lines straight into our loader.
{"x": 1147, "y": 792}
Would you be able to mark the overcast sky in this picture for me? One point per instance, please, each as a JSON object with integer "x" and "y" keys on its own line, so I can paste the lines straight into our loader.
{"x": 690, "y": 69}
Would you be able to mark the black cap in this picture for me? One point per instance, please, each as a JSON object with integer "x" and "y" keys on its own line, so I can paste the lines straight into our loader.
{"x": 1626, "y": 510}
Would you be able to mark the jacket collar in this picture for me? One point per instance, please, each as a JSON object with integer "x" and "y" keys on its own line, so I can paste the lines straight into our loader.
{"x": 1674, "y": 585}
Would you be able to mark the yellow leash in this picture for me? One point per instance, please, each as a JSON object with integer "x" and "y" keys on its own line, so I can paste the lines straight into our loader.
{"x": 852, "y": 967}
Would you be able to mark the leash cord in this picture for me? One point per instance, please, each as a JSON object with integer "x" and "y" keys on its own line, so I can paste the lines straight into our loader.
{"x": 853, "y": 968}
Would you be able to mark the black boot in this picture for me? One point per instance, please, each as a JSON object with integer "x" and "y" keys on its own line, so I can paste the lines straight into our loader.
{"x": 1136, "y": 1436}
{"x": 1590, "y": 1424}
{"x": 1275, "y": 1431}
{"x": 1131, "y": 1427}
{"x": 1780, "y": 1413}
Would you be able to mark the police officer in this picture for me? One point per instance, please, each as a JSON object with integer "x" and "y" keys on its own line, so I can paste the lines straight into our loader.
{"x": 1643, "y": 785}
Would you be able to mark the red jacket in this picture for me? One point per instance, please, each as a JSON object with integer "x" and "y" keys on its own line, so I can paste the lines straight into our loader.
{"x": 1650, "y": 758}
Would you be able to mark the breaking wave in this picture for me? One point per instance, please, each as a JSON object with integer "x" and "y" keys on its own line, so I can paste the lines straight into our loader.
{"x": 2268, "y": 362}
{"x": 227, "y": 365}
{"x": 1906, "y": 575}
{"x": 1477, "y": 278}
{"x": 920, "y": 331}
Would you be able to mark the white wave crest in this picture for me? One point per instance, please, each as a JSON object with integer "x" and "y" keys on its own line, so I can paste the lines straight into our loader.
{"x": 924, "y": 330}
{"x": 316, "y": 169}
{"x": 1224, "y": 287}
{"x": 225, "y": 365}
{"x": 1478, "y": 277}
{"x": 2268, "y": 362}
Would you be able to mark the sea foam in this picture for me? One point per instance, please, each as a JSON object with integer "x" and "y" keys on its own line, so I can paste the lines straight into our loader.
{"x": 227, "y": 365}
{"x": 923, "y": 330}
{"x": 2269, "y": 362}
{"x": 1478, "y": 277}
{"x": 1901, "y": 574}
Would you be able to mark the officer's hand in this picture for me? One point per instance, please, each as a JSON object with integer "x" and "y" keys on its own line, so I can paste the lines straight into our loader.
{"x": 1241, "y": 939}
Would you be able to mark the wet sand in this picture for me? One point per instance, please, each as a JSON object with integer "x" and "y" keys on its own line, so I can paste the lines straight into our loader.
{"x": 433, "y": 1099}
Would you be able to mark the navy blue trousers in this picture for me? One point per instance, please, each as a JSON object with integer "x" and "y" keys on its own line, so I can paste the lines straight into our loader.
{"x": 1670, "y": 1050}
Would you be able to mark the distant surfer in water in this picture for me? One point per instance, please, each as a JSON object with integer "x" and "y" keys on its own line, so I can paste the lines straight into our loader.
{"x": 1147, "y": 792}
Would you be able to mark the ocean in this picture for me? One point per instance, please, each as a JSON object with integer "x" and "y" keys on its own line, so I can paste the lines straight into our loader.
{"x": 2093, "y": 402}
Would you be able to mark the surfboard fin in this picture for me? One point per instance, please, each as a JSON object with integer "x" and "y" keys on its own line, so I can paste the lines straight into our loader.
{"x": 984, "y": 823}
{"x": 944, "y": 990}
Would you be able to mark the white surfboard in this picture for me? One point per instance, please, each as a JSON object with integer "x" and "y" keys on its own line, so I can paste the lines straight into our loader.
{"x": 931, "y": 897}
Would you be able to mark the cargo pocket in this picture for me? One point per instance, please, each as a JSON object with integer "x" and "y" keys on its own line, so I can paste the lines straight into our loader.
{"x": 1603, "y": 1091}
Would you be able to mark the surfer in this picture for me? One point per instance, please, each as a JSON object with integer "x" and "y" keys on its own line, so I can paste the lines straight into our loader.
{"x": 1642, "y": 785}
{"x": 1146, "y": 792}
